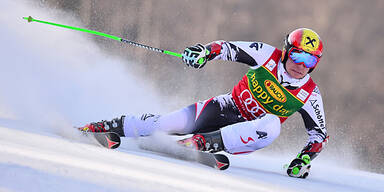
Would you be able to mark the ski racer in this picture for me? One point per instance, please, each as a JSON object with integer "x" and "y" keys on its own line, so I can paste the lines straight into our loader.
{"x": 249, "y": 118}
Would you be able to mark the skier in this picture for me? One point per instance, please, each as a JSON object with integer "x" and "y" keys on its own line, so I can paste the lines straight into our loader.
{"x": 277, "y": 85}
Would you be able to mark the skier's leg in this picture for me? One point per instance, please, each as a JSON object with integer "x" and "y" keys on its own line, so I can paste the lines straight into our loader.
{"x": 242, "y": 137}
{"x": 215, "y": 113}
{"x": 201, "y": 117}
{"x": 251, "y": 135}
{"x": 178, "y": 122}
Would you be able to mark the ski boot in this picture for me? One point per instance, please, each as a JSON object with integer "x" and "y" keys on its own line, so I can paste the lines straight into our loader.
{"x": 209, "y": 142}
{"x": 115, "y": 125}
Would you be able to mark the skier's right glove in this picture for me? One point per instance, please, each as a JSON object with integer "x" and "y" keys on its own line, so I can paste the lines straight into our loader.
{"x": 195, "y": 56}
{"x": 300, "y": 166}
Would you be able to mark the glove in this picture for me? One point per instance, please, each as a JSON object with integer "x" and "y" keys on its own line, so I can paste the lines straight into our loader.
{"x": 300, "y": 166}
{"x": 195, "y": 56}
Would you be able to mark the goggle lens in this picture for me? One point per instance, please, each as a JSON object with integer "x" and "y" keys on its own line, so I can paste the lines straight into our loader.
{"x": 302, "y": 57}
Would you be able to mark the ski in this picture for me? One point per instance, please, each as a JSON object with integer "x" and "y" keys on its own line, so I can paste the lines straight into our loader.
{"x": 111, "y": 140}
{"x": 108, "y": 140}
{"x": 217, "y": 161}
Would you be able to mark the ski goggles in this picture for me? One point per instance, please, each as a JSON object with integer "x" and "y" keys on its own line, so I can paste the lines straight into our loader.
{"x": 301, "y": 57}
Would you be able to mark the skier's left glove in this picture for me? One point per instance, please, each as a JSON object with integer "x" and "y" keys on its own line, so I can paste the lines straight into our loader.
{"x": 195, "y": 56}
{"x": 300, "y": 166}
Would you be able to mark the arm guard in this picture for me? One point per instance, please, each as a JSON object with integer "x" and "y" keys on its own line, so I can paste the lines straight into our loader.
{"x": 314, "y": 120}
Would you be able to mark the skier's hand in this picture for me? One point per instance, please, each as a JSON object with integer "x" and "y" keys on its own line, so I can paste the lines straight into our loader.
{"x": 195, "y": 56}
{"x": 300, "y": 166}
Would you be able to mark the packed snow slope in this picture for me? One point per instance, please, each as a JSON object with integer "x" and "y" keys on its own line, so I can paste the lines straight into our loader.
{"x": 53, "y": 79}
{"x": 41, "y": 161}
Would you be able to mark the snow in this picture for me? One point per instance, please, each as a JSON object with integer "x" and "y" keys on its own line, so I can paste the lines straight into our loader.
{"x": 50, "y": 78}
{"x": 32, "y": 161}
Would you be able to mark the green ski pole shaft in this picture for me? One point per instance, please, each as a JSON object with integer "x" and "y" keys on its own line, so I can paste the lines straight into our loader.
{"x": 30, "y": 19}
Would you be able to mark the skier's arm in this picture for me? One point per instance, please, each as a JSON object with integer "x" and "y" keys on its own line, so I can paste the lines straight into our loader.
{"x": 314, "y": 120}
{"x": 253, "y": 54}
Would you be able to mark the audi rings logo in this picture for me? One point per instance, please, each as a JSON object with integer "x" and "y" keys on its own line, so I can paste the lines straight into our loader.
{"x": 251, "y": 104}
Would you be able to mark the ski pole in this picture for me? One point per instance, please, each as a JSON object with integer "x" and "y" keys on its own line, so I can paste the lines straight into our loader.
{"x": 30, "y": 19}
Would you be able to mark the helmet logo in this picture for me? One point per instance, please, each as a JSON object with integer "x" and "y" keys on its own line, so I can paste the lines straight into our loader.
{"x": 310, "y": 41}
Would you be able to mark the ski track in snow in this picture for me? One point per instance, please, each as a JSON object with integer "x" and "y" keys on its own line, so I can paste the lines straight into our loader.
{"x": 54, "y": 78}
